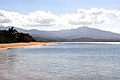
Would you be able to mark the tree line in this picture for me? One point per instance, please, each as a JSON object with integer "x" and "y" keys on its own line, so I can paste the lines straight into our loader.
{"x": 12, "y": 36}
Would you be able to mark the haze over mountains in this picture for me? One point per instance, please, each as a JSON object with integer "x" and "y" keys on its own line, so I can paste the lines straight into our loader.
{"x": 84, "y": 34}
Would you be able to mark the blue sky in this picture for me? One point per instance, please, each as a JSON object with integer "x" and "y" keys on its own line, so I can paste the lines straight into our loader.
{"x": 61, "y": 14}
{"x": 56, "y": 6}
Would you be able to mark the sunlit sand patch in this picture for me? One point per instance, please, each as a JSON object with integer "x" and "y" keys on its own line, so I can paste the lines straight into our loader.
{"x": 19, "y": 45}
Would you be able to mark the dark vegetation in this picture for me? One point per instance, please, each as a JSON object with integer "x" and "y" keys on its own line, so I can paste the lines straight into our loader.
{"x": 12, "y": 36}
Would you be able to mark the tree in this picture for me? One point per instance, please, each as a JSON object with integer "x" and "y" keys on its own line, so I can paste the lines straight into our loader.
{"x": 12, "y": 30}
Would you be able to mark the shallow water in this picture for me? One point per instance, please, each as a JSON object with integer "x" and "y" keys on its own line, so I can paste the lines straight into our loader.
{"x": 62, "y": 61}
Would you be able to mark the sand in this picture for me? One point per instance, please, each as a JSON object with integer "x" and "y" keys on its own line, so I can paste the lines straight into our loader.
{"x": 20, "y": 45}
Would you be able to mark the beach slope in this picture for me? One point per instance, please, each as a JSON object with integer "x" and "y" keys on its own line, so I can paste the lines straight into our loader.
{"x": 19, "y": 45}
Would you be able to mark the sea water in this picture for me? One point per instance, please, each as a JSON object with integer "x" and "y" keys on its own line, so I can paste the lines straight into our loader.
{"x": 62, "y": 61}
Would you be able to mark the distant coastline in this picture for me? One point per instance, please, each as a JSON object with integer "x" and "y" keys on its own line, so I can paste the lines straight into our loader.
{"x": 20, "y": 45}
{"x": 81, "y": 34}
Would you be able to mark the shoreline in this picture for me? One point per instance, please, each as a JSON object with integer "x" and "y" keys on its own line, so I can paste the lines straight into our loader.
{"x": 96, "y": 42}
{"x": 7, "y": 46}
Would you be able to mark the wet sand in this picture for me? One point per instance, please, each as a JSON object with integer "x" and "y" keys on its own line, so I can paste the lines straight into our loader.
{"x": 20, "y": 45}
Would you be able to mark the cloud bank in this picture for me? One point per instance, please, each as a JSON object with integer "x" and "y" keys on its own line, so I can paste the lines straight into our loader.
{"x": 93, "y": 16}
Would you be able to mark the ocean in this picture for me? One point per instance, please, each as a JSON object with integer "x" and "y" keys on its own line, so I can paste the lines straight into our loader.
{"x": 62, "y": 61}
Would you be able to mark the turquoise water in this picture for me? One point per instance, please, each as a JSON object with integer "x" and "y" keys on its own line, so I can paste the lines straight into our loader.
{"x": 62, "y": 61}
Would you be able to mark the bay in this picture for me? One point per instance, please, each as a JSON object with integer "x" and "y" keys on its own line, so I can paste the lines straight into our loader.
{"x": 62, "y": 61}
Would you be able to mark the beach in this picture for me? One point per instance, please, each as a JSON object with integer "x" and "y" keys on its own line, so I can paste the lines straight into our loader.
{"x": 20, "y": 45}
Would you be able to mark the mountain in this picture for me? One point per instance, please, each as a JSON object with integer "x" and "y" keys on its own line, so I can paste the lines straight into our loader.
{"x": 80, "y": 34}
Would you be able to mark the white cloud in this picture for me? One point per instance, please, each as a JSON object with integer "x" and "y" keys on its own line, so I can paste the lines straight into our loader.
{"x": 41, "y": 19}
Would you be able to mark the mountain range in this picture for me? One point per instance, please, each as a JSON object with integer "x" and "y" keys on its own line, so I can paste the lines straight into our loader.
{"x": 81, "y": 34}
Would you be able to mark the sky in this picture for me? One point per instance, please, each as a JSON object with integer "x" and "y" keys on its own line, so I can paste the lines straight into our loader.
{"x": 61, "y": 14}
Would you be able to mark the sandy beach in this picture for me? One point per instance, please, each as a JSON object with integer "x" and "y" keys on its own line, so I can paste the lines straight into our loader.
{"x": 19, "y": 45}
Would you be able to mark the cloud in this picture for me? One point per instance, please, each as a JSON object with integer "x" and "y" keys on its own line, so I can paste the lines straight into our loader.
{"x": 40, "y": 19}
{"x": 3, "y": 18}
{"x": 79, "y": 22}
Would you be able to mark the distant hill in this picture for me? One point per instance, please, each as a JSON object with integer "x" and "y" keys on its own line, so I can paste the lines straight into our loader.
{"x": 81, "y": 34}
